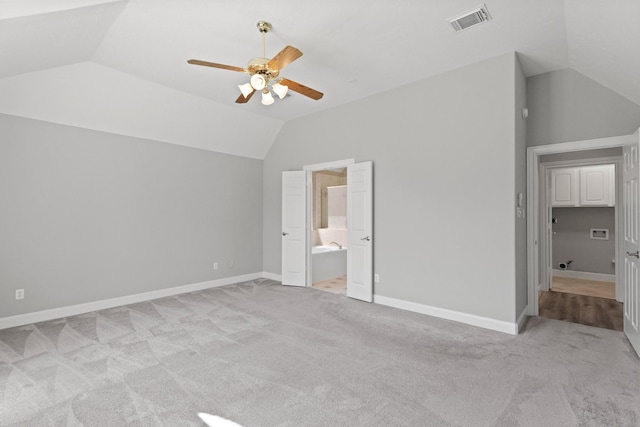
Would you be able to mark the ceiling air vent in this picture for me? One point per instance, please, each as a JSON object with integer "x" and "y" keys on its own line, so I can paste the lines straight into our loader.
{"x": 470, "y": 18}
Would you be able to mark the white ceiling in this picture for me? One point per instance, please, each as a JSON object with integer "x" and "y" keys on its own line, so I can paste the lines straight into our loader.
{"x": 120, "y": 66}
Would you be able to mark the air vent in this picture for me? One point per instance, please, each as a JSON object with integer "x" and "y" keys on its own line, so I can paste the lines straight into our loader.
{"x": 470, "y": 18}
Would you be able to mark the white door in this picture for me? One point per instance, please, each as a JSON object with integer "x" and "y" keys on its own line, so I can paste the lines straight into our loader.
{"x": 360, "y": 231}
{"x": 631, "y": 243}
{"x": 294, "y": 235}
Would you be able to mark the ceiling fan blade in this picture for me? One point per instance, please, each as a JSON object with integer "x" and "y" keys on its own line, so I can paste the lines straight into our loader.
{"x": 285, "y": 57}
{"x": 302, "y": 89}
{"x": 214, "y": 65}
{"x": 241, "y": 99}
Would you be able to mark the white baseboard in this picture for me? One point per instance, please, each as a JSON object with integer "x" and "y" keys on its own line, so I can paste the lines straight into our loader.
{"x": 72, "y": 310}
{"x": 585, "y": 275}
{"x": 523, "y": 318}
{"x": 469, "y": 319}
{"x": 272, "y": 276}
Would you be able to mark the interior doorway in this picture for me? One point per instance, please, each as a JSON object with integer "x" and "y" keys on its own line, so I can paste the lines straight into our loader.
{"x": 297, "y": 220}
{"x": 328, "y": 228}
{"x": 579, "y": 219}
{"x": 627, "y": 235}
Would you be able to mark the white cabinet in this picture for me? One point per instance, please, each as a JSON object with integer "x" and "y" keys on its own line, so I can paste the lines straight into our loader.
{"x": 597, "y": 185}
{"x": 583, "y": 186}
{"x": 564, "y": 187}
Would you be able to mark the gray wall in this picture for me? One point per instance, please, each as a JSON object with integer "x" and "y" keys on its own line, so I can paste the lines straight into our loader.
{"x": 572, "y": 241}
{"x": 88, "y": 215}
{"x": 444, "y": 185}
{"x": 521, "y": 187}
{"x": 568, "y": 106}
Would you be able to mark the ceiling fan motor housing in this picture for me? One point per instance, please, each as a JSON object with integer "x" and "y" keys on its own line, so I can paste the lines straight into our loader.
{"x": 261, "y": 66}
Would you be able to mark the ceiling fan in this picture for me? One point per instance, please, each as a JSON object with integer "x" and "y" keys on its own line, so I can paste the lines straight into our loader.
{"x": 265, "y": 72}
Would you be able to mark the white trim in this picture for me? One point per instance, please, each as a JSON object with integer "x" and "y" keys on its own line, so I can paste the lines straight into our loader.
{"x": 619, "y": 233}
{"x": 533, "y": 162}
{"x": 72, "y": 310}
{"x": 272, "y": 276}
{"x": 581, "y": 162}
{"x": 469, "y": 319}
{"x": 600, "y": 277}
{"x": 329, "y": 165}
{"x": 523, "y": 319}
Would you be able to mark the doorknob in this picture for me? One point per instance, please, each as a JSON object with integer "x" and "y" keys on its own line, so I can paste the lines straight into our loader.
{"x": 635, "y": 254}
{"x": 284, "y": 234}
{"x": 366, "y": 238}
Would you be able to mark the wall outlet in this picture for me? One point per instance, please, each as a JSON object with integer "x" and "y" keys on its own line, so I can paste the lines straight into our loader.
{"x": 215, "y": 265}
{"x": 19, "y": 293}
{"x": 232, "y": 263}
{"x": 376, "y": 278}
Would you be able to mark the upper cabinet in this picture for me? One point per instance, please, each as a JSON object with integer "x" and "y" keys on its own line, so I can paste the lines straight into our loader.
{"x": 597, "y": 185}
{"x": 564, "y": 187}
{"x": 583, "y": 186}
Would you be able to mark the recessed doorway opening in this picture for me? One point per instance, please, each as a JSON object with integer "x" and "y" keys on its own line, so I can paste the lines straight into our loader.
{"x": 627, "y": 232}
{"x": 356, "y": 226}
{"x": 328, "y": 227}
{"x": 580, "y": 215}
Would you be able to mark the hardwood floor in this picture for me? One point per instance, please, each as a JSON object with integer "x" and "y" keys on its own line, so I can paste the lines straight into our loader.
{"x": 591, "y": 288}
{"x": 586, "y": 310}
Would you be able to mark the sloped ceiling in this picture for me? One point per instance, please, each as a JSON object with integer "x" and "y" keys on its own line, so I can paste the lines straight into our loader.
{"x": 120, "y": 66}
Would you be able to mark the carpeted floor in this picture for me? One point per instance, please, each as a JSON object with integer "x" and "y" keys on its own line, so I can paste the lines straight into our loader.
{"x": 262, "y": 354}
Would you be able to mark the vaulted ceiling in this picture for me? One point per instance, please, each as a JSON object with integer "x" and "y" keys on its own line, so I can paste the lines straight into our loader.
{"x": 120, "y": 65}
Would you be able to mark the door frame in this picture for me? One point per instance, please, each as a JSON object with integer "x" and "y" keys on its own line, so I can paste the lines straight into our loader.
{"x": 533, "y": 203}
{"x": 546, "y": 242}
{"x": 309, "y": 169}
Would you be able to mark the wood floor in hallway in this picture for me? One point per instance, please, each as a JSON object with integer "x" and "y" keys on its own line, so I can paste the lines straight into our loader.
{"x": 586, "y": 310}
{"x": 592, "y": 288}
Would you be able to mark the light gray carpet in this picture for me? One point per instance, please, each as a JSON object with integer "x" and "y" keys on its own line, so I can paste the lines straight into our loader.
{"x": 262, "y": 354}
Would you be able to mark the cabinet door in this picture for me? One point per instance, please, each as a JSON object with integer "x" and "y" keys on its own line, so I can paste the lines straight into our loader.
{"x": 564, "y": 187}
{"x": 595, "y": 185}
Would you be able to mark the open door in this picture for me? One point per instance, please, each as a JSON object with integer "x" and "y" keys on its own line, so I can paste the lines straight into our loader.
{"x": 294, "y": 235}
{"x": 631, "y": 197}
{"x": 360, "y": 231}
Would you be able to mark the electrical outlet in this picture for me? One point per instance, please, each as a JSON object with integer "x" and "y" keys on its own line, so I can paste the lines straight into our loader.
{"x": 19, "y": 293}
{"x": 232, "y": 263}
{"x": 215, "y": 265}
{"x": 376, "y": 278}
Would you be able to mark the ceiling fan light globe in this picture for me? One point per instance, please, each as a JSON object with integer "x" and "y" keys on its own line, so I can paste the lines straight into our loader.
{"x": 280, "y": 90}
{"x": 267, "y": 98}
{"x": 258, "y": 81}
{"x": 246, "y": 89}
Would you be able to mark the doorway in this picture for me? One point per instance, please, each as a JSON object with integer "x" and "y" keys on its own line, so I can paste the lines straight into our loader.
{"x": 627, "y": 234}
{"x": 328, "y": 228}
{"x": 581, "y": 222}
{"x": 579, "y": 217}
{"x": 297, "y": 220}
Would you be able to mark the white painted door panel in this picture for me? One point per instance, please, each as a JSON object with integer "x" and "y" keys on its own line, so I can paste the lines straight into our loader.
{"x": 631, "y": 198}
{"x": 360, "y": 231}
{"x": 294, "y": 236}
